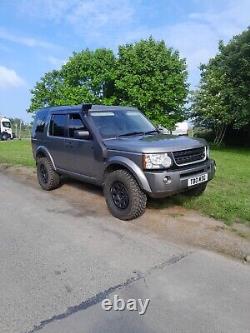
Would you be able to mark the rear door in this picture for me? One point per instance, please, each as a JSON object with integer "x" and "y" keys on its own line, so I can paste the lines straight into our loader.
{"x": 56, "y": 138}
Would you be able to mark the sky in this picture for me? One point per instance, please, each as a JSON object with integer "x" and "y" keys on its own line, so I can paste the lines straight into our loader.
{"x": 37, "y": 36}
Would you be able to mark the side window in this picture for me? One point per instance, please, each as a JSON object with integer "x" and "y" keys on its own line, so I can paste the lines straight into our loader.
{"x": 39, "y": 124}
{"x": 75, "y": 124}
{"x": 57, "y": 125}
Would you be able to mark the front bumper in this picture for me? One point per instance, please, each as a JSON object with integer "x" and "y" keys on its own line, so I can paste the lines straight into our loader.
{"x": 166, "y": 183}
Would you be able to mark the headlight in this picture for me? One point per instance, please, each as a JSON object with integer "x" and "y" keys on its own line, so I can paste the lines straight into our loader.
{"x": 156, "y": 161}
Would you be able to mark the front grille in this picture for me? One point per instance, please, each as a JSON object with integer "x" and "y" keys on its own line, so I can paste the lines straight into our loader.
{"x": 189, "y": 156}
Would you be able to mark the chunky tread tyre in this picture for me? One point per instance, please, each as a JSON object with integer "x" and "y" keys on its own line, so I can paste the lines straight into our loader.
{"x": 53, "y": 179}
{"x": 196, "y": 191}
{"x": 137, "y": 198}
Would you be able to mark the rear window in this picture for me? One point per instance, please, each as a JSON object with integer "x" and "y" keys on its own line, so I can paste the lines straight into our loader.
{"x": 57, "y": 125}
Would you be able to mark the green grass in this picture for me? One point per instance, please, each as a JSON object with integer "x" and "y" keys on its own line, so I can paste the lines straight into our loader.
{"x": 16, "y": 152}
{"x": 227, "y": 196}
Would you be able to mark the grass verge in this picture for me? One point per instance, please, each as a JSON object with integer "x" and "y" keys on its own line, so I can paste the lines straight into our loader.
{"x": 16, "y": 152}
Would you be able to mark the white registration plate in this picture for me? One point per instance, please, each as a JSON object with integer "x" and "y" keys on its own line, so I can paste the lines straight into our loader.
{"x": 198, "y": 179}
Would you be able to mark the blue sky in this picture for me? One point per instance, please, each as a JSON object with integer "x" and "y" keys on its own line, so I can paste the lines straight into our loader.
{"x": 39, "y": 35}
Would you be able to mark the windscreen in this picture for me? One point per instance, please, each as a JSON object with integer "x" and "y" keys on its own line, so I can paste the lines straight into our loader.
{"x": 6, "y": 124}
{"x": 119, "y": 123}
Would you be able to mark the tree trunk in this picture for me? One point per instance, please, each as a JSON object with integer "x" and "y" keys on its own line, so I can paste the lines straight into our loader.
{"x": 220, "y": 134}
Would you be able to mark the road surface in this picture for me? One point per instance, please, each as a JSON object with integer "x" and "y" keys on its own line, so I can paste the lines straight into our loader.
{"x": 58, "y": 263}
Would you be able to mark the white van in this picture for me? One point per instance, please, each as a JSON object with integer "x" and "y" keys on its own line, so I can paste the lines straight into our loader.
{"x": 5, "y": 129}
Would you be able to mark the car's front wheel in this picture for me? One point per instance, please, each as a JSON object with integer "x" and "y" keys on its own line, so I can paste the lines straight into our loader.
{"x": 124, "y": 197}
{"x": 48, "y": 178}
{"x": 4, "y": 137}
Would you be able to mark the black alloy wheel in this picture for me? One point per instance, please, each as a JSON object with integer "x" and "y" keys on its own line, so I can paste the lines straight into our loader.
{"x": 44, "y": 173}
{"x": 119, "y": 195}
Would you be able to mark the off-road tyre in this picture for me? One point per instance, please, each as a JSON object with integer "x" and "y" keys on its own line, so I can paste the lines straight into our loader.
{"x": 47, "y": 177}
{"x": 196, "y": 191}
{"x": 137, "y": 199}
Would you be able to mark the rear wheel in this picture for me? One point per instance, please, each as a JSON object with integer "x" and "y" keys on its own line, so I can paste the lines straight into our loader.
{"x": 196, "y": 191}
{"x": 124, "y": 197}
{"x": 47, "y": 177}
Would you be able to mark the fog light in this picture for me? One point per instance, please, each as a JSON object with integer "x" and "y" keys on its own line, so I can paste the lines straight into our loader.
{"x": 167, "y": 180}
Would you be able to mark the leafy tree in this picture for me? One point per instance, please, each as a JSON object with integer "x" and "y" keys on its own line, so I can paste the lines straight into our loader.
{"x": 145, "y": 74}
{"x": 152, "y": 77}
{"x": 223, "y": 97}
{"x": 87, "y": 76}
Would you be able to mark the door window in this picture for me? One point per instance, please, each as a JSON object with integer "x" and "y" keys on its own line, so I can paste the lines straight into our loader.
{"x": 57, "y": 125}
{"x": 75, "y": 124}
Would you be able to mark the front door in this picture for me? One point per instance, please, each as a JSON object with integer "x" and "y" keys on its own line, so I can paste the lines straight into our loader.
{"x": 80, "y": 152}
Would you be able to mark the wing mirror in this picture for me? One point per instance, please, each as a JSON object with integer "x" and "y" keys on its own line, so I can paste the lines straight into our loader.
{"x": 160, "y": 128}
{"x": 80, "y": 134}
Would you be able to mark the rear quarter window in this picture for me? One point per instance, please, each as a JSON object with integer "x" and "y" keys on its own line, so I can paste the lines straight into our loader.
{"x": 39, "y": 123}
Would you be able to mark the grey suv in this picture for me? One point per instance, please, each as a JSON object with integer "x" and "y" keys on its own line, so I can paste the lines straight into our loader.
{"x": 117, "y": 148}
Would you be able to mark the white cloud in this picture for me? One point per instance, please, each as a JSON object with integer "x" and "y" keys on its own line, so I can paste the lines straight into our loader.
{"x": 9, "y": 78}
{"x": 113, "y": 22}
{"x": 24, "y": 40}
{"x": 57, "y": 62}
{"x": 197, "y": 36}
{"x": 87, "y": 17}
{"x": 96, "y": 13}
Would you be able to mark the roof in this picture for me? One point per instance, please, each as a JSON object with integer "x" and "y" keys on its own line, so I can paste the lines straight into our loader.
{"x": 4, "y": 118}
{"x": 89, "y": 107}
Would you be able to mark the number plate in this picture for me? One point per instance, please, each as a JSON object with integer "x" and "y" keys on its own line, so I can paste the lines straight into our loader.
{"x": 198, "y": 179}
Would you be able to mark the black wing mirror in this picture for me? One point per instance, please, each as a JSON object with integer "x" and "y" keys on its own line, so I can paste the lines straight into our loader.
{"x": 81, "y": 134}
{"x": 160, "y": 129}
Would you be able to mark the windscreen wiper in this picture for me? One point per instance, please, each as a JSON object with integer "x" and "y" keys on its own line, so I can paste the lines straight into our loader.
{"x": 132, "y": 133}
{"x": 153, "y": 131}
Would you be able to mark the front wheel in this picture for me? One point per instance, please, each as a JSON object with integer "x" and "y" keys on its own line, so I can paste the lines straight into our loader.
{"x": 196, "y": 191}
{"x": 4, "y": 137}
{"x": 124, "y": 197}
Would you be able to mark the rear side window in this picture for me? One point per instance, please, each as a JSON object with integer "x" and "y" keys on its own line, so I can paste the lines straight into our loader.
{"x": 57, "y": 125}
{"x": 39, "y": 123}
{"x": 75, "y": 124}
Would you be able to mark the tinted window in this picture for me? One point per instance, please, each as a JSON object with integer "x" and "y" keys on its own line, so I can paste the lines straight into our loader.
{"x": 6, "y": 124}
{"x": 116, "y": 123}
{"x": 39, "y": 123}
{"x": 75, "y": 123}
{"x": 57, "y": 125}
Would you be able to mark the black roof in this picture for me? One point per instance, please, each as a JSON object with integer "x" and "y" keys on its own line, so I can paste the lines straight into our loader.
{"x": 88, "y": 107}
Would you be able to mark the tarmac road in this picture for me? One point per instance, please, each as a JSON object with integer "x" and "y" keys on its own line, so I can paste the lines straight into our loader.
{"x": 58, "y": 264}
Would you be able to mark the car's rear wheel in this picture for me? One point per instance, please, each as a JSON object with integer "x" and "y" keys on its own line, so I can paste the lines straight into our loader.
{"x": 47, "y": 177}
{"x": 196, "y": 191}
{"x": 124, "y": 197}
